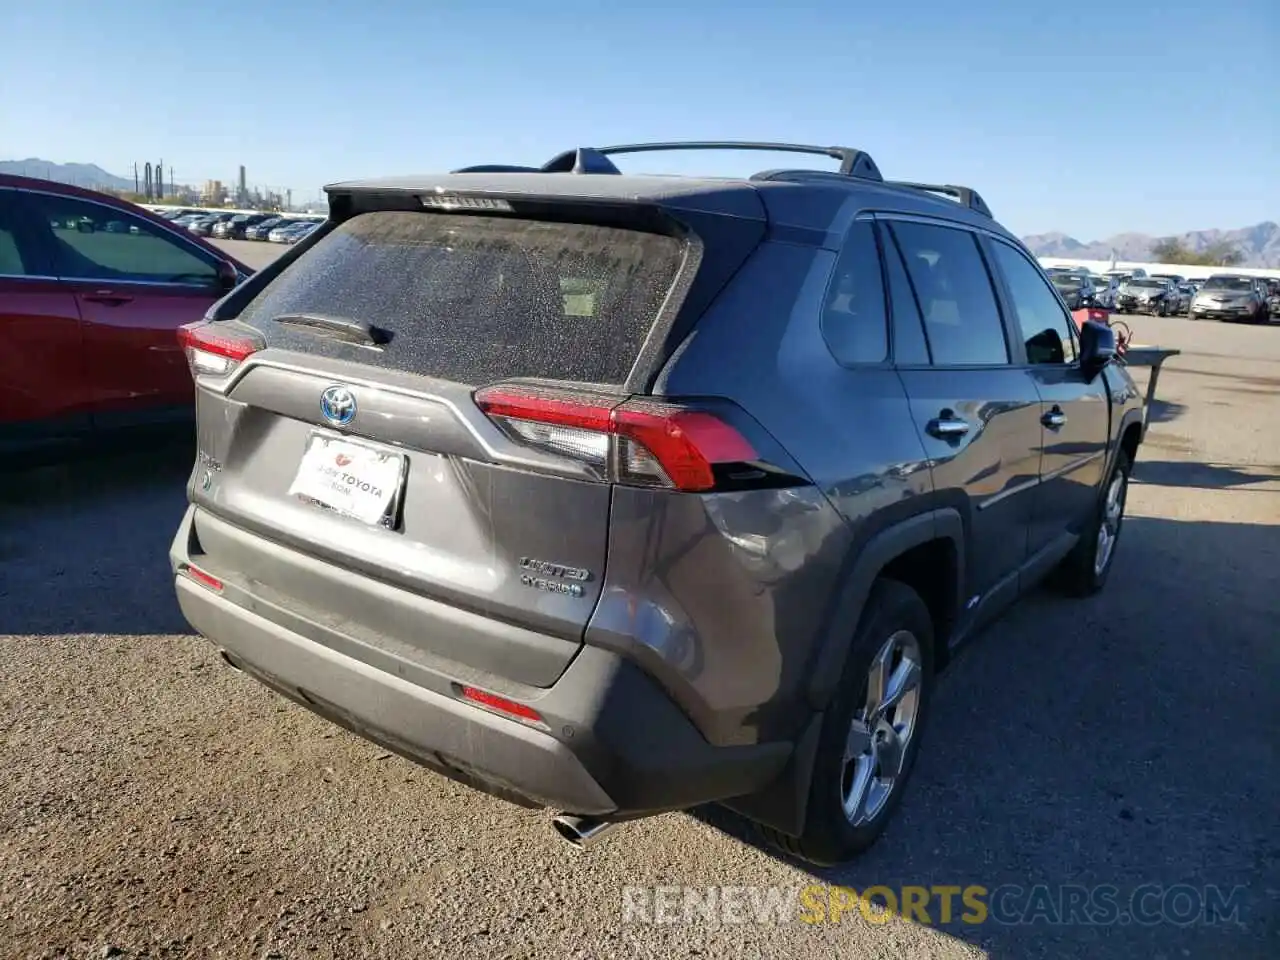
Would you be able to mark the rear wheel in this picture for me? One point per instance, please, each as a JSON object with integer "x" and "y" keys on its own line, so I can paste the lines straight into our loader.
{"x": 1085, "y": 569}
{"x": 871, "y": 731}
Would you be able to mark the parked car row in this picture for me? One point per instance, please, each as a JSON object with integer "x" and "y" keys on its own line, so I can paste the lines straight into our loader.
{"x": 232, "y": 225}
{"x": 1221, "y": 296}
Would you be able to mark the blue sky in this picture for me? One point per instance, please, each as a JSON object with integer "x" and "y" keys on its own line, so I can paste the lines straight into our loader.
{"x": 1082, "y": 116}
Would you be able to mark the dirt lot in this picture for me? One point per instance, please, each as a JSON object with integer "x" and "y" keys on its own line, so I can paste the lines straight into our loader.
{"x": 156, "y": 803}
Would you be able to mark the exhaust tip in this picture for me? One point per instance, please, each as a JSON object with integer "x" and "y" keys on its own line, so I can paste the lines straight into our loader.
{"x": 578, "y": 832}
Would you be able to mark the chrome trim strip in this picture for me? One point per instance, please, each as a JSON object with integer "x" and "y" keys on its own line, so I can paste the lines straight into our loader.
{"x": 1008, "y": 492}
{"x": 201, "y": 287}
{"x": 1073, "y": 466}
{"x": 224, "y": 389}
{"x": 253, "y": 363}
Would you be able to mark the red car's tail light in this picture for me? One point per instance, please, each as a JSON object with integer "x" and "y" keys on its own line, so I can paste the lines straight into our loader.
{"x": 638, "y": 442}
{"x": 212, "y": 350}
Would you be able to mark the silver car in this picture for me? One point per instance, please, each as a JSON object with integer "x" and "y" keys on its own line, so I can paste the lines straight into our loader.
{"x": 1227, "y": 297}
{"x": 1147, "y": 295}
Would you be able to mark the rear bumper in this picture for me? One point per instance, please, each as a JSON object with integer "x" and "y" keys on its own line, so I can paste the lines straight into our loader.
{"x": 1221, "y": 314}
{"x": 614, "y": 744}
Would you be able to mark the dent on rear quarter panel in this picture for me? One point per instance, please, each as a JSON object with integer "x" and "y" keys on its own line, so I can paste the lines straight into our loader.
{"x": 720, "y": 597}
{"x": 724, "y": 597}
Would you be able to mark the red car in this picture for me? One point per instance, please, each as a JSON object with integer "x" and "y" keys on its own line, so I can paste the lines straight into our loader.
{"x": 92, "y": 292}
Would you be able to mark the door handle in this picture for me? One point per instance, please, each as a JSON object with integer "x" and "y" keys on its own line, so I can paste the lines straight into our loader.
{"x": 108, "y": 297}
{"x": 948, "y": 427}
{"x": 1054, "y": 419}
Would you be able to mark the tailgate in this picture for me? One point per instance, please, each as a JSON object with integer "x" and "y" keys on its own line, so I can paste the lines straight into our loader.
{"x": 353, "y": 437}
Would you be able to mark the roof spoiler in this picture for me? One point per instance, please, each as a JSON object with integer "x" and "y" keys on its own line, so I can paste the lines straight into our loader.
{"x": 853, "y": 163}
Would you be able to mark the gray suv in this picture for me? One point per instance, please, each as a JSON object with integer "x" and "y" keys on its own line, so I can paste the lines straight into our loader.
{"x": 622, "y": 494}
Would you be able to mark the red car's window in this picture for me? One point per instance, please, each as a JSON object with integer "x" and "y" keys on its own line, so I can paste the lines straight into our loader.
{"x": 96, "y": 242}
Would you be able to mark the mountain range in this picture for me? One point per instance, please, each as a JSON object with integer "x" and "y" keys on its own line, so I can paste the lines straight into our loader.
{"x": 81, "y": 174}
{"x": 1259, "y": 245}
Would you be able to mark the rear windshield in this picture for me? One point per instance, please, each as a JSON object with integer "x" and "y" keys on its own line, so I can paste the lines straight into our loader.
{"x": 478, "y": 299}
{"x": 1239, "y": 284}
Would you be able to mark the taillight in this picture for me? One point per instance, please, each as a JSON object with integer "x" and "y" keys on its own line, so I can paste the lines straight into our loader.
{"x": 212, "y": 349}
{"x": 637, "y": 442}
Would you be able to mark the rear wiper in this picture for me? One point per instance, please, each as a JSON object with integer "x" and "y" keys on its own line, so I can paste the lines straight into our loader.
{"x": 337, "y": 328}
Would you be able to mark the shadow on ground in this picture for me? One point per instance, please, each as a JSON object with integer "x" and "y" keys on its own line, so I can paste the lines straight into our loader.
{"x": 1206, "y": 476}
{"x": 69, "y": 566}
{"x": 1124, "y": 740}
{"x": 1164, "y": 411}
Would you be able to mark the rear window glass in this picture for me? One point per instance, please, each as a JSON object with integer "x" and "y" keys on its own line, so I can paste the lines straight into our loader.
{"x": 477, "y": 299}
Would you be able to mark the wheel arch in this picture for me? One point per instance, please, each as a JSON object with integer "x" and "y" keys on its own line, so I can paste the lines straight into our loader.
{"x": 910, "y": 546}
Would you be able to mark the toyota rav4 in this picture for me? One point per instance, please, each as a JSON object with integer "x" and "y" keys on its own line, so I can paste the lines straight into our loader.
{"x": 619, "y": 494}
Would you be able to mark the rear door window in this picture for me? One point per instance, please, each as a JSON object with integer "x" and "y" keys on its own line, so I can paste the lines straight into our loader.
{"x": 954, "y": 293}
{"x": 478, "y": 299}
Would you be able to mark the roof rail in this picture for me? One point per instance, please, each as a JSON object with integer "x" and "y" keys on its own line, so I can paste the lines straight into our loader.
{"x": 965, "y": 196}
{"x": 853, "y": 162}
{"x": 850, "y": 157}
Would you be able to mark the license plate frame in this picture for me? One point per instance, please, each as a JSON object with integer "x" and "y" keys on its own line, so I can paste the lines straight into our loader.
{"x": 390, "y": 516}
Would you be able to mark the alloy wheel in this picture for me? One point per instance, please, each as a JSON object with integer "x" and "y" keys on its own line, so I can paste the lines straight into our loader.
{"x": 1109, "y": 529}
{"x": 882, "y": 730}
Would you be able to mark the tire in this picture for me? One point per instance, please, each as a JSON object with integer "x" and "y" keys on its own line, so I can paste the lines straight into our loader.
{"x": 1081, "y": 574}
{"x": 895, "y": 622}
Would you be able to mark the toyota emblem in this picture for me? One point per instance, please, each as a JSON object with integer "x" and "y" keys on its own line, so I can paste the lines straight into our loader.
{"x": 338, "y": 405}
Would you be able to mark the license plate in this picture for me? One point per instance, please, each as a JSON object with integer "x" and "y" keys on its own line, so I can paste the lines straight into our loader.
{"x": 352, "y": 479}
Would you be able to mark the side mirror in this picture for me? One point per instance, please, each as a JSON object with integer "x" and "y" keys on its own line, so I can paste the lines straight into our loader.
{"x": 228, "y": 278}
{"x": 1097, "y": 347}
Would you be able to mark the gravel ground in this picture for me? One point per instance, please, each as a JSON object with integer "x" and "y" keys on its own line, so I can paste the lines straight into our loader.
{"x": 156, "y": 803}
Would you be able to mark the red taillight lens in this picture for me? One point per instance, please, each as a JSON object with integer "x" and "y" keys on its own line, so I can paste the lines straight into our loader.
{"x": 212, "y": 350}
{"x": 501, "y": 705}
{"x": 641, "y": 442}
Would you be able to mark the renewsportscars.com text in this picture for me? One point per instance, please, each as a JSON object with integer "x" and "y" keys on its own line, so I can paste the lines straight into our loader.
{"x": 937, "y": 904}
